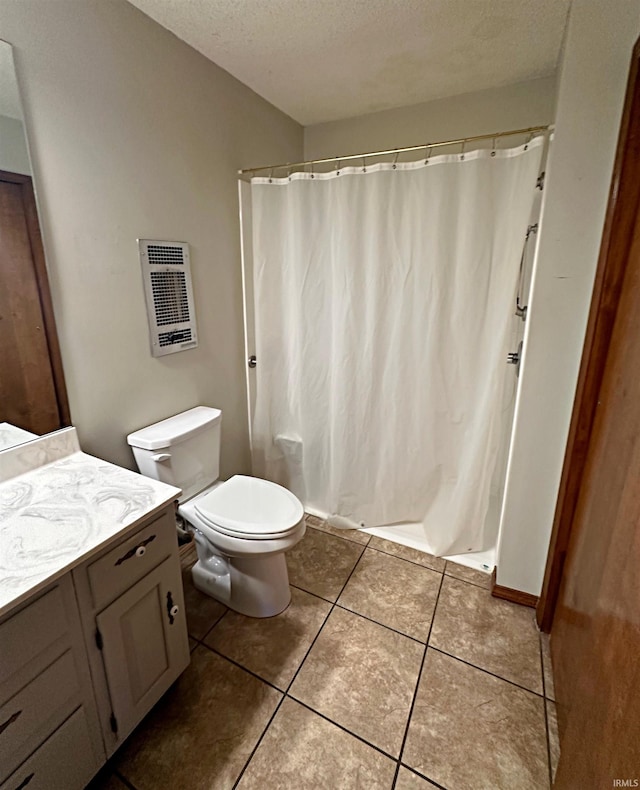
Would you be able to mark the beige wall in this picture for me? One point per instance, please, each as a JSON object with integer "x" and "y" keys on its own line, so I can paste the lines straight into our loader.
{"x": 134, "y": 134}
{"x": 592, "y": 84}
{"x": 14, "y": 156}
{"x": 512, "y": 107}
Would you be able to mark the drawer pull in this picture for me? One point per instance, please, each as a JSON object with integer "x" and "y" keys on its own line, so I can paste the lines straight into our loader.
{"x": 137, "y": 551}
{"x": 172, "y": 609}
{"x": 25, "y": 781}
{"x": 10, "y": 720}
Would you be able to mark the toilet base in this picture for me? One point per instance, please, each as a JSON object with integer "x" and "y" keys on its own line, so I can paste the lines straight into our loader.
{"x": 256, "y": 586}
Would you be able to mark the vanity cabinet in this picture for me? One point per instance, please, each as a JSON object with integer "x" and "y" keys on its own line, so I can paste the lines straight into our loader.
{"x": 133, "y": 617}
{"x": 49, "y": 729}
{"x": 82, "y": 662}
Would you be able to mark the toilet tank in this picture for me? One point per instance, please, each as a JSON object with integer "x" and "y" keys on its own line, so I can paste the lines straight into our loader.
{"x": 183, "y": 451}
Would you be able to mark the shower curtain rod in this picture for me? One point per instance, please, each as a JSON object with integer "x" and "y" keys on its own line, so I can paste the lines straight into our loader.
{"x": 424, "y": 146}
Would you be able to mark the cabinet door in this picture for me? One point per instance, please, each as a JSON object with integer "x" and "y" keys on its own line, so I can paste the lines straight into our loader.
{"x": 144, "y": 644}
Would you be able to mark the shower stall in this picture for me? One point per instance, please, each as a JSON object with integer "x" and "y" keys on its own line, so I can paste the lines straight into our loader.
{"x": 385, "y": 295}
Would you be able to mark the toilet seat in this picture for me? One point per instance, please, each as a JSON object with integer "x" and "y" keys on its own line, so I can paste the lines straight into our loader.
{"x": 250, "y": 508}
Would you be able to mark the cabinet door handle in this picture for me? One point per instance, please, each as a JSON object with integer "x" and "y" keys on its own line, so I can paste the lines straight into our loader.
{"x": 172, "y": 609}
{"x": 137, "y": 551}
{"x": 25, "y": 781}
{"x": 10, "y": 720}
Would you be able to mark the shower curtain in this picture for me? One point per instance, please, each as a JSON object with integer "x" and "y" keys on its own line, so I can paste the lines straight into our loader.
{"x": 383, "y": 296}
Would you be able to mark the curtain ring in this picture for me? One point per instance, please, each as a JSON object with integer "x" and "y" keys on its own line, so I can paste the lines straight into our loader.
{"x": 338, "y": 167}
{"x": 428, "y": 147}
{"x": 271, "y": 176}
{"x": 493, "y": 147}
{"x": 464, "y": 142}
{"x": 529, "y": 138}
{"x": 313, "y": 175}
{"x": 395, "y": 160}
{"x": 364, "y": 164}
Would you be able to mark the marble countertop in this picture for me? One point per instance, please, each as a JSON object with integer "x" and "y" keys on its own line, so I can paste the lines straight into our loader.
{"x": 55, "y": 517}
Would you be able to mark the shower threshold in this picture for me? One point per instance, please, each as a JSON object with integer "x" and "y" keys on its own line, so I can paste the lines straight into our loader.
{"x": 412, "y": 535}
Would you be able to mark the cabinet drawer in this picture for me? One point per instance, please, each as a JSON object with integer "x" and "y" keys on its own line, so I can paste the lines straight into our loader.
{"x": 65, "y": 761}
{"x": 32, "y": 714}
{"x": 31, "y": 631}
{"x": 132, "y": 559}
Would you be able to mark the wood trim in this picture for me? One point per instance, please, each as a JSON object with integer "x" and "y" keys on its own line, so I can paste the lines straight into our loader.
{"x": 40, "y": 266}
{"x": 37, "y": 248}
{"x": 14, "y": 178}
{"x": 617, "y": 237}
{"x": 509, "y": 594}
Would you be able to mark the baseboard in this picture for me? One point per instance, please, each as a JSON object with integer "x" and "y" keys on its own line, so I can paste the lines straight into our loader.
{"x": 508, "y": 594}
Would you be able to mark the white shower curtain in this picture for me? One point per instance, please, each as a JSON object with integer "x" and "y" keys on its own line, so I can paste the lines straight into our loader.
{"x": 383, "y": 298}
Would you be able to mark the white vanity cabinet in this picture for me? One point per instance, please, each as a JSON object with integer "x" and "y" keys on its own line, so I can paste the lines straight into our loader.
{"x": 49, "y": 728}
{"x": 82, "y": 661}
{"x": 133, "y": 616}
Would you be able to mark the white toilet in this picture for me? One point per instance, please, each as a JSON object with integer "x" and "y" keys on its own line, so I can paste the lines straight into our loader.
{"x": 242, "y": 526}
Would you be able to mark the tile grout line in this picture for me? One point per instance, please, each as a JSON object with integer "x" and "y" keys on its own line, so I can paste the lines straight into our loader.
{"x": 364, "y": 616}
{"x": 235, "y": 663}
{"x": 333, "y": 606}
{"x": 326, "y": 532}
{"x": 420, "y": 776}
{"x": 343, "y": 728}
{"x": 377, "y": 622}
{"x": 398, "y": 557}
{"x": 486, "y": 671}
{"x": 210, "y": 629}
{"x": 415, "y": 691}
{"x": 546, "y": 715}
{"x": 286, "y": 693}
{"x": 255, "y": 748}
{"x": 474, "y": 584}
{"x": 315, "y": 595}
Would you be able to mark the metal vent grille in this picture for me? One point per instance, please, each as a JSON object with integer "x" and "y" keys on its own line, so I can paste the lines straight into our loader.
{"x": 166, "y": 271}
{"x": 170, "y": 297}
{"x": 161, "y": 253}
{"x": 171, "y": 338}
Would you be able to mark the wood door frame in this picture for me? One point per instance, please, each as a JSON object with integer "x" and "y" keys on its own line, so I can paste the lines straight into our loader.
{"x": 620, "y": 218}
{"x": 44, "y": 292}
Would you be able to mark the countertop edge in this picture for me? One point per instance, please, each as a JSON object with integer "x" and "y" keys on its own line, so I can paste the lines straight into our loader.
{"x": 23, "y": 597}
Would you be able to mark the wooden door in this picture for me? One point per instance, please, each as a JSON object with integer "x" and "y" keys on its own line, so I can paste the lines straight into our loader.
{"x": 595, "y": 638}
{"x": 32, "y": 391}
{"x": 144, "y": 644}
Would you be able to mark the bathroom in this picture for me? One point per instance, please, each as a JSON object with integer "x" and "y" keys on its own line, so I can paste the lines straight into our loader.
{"x": 134, "y": 134}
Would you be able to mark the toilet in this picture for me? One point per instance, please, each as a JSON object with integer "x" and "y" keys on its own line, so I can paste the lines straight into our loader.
{"x": 242, "y": 526}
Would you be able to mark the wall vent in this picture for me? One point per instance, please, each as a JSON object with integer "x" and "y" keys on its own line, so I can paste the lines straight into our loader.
{"x": 166, "y": 273}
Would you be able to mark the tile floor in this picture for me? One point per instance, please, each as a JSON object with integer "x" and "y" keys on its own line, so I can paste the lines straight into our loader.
{"x": 390, "y": 669}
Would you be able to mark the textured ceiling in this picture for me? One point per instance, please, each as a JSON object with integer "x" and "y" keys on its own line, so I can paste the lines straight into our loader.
{"x": 9, "y": 98}
{"x": 321, "y": 60}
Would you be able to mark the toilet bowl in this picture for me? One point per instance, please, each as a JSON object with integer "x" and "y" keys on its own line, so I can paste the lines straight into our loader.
{"x": 242, "y": 526}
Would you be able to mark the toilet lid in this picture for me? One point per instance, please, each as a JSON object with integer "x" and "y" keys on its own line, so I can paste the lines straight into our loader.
{"x": 248, "y": 507}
